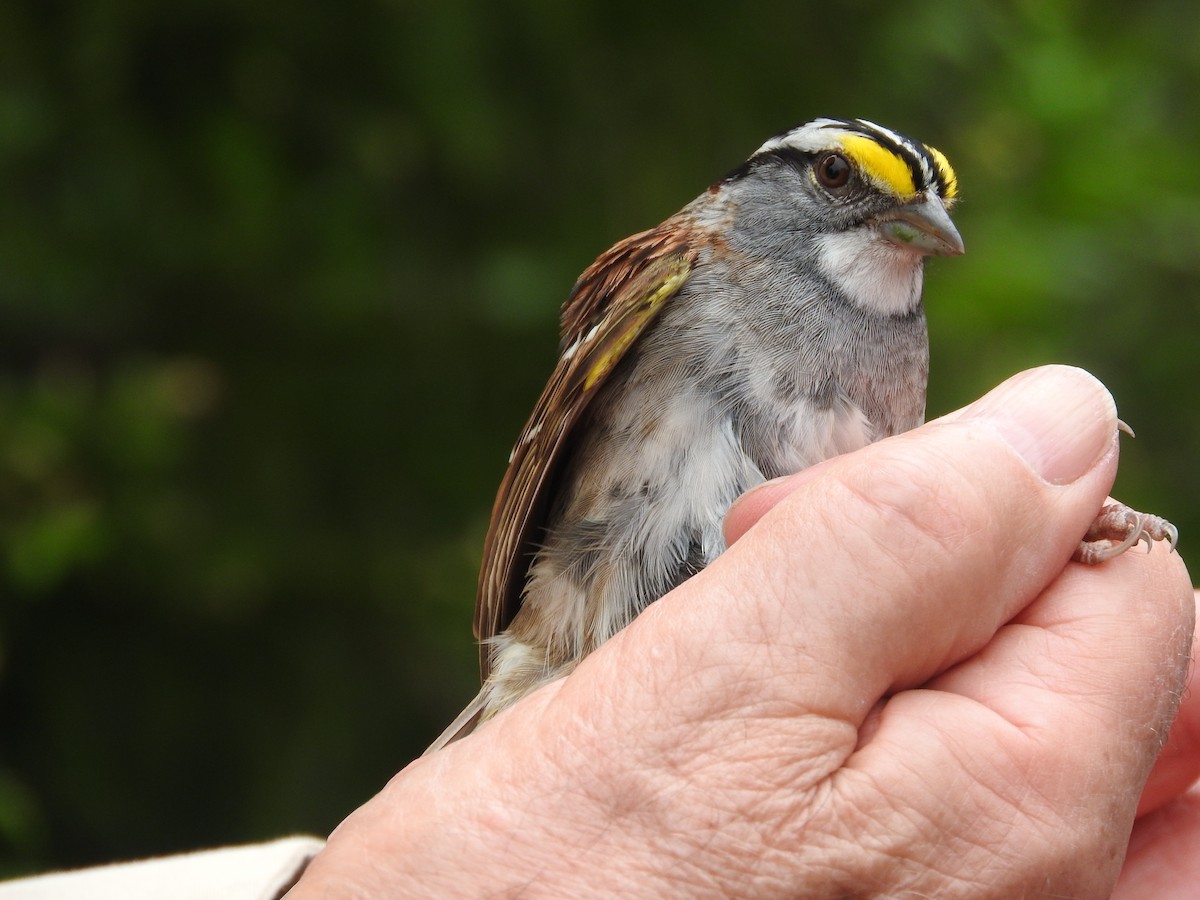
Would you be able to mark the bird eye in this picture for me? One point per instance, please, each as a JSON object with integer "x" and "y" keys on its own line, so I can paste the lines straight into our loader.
{"x": 833, "y": 171}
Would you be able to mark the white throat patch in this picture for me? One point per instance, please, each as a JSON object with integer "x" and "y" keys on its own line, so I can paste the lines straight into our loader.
{"x": 876, "y": 274}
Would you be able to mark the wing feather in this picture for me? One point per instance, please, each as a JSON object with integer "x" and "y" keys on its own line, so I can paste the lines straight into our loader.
{"x": 613, "y": 302}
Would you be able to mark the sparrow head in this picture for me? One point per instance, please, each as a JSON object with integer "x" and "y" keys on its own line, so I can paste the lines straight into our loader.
{"x": 857, "y": 202}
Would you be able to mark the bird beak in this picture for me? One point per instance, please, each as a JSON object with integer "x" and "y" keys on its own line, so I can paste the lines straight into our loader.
{"x": 923, "y": 226}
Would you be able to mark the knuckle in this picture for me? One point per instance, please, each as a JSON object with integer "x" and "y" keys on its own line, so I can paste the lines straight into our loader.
{"x": 912, "y": 505}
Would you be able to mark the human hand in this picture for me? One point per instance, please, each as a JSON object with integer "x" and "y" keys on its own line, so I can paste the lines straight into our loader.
{"x": 892, "y": 683}
{"x": 1164, "y": 851}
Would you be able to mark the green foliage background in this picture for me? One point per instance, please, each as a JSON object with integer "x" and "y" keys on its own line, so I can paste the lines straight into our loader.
{"x": 279, "y": 284}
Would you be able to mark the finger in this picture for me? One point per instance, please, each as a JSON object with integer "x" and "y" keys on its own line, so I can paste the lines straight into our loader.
{"x": 1178, "y": 766}
{"x": 1097, "y": 664}
{"x": 1055, "y": 454}
{"x": 757, "y": 502}
{"x": 1162, "y": 861}
{"x": 1051, "y": 729}
{"x": 908, "y": 555}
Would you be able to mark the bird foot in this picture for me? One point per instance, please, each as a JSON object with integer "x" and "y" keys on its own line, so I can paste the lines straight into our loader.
{"x": 1117, "y": 528}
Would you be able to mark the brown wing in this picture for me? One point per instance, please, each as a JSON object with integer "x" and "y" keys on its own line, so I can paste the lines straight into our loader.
{"x": 611, "y": 304}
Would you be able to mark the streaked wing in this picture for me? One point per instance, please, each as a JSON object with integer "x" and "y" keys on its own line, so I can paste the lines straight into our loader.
{"x": 611, "y": 304}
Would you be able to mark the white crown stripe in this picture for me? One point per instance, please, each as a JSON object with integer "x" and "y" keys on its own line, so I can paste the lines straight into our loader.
{"x": 886, "y": 132}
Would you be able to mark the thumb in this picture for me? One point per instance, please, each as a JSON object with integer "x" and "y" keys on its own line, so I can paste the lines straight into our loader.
{"x": 1055, "y": 415}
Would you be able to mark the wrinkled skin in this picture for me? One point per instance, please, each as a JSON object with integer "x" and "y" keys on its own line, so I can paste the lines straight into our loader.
{"x": 928, "y": 700}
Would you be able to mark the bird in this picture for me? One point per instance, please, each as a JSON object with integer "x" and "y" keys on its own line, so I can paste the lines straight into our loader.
{"x": 772, "y": 323}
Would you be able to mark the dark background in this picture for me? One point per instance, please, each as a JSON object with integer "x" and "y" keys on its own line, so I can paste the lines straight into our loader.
{"x": 279, "y": 285}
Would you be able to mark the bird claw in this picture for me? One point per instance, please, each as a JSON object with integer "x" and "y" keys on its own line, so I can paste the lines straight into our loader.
{"x": 1117, "y": 528}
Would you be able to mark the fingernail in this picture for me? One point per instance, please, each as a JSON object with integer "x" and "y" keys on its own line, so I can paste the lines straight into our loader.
{"x": 1061, "y": 420}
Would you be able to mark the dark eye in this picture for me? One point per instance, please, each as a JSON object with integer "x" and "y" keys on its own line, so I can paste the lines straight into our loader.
{"x": 833, "y": 171}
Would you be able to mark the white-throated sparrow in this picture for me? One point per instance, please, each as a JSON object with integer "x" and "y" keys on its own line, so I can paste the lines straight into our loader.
{"x": 774, "y": 322}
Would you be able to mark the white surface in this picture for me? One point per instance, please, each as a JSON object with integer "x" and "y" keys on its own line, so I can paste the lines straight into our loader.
{"x": 251, "y": 872}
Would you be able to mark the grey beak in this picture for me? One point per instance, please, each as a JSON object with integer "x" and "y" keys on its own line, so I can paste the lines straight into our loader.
{"x": 924, "y": 226}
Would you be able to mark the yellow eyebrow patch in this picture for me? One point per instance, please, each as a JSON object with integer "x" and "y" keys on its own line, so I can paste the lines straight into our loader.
{"x": 949, "y": 179}
{"x": 882, "y": 166}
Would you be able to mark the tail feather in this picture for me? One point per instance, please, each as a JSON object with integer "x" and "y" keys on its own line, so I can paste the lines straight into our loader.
{"x": 464, "y": 723}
